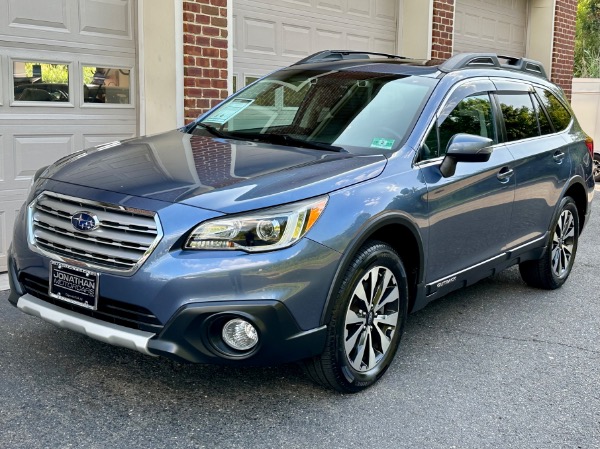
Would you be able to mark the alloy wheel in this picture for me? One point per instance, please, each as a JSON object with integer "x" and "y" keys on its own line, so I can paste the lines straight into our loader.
{"x": 371, "y": 319}
{"x": 562, "y": 243}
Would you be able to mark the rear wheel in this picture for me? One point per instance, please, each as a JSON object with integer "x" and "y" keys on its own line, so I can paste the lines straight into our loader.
{"x": 553, "y": 269}
{"x": 367, "y": 321}
{"x": 596, "y": 167}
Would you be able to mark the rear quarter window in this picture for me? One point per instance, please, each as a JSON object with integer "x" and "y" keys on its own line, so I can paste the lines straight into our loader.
{"x": 560, "y": 116}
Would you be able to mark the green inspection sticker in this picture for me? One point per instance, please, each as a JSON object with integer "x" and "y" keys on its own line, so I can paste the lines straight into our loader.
{"x": 384, "y": 144}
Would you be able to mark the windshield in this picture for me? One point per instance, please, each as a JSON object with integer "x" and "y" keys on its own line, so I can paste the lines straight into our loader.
{"x": 347, "y": 110}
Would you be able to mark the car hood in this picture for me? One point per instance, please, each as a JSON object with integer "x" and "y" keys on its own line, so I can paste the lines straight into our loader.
{"x": 217, "y": 174}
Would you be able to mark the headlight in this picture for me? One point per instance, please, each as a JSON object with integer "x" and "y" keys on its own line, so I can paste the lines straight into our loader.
{"x": 265, "y": 230}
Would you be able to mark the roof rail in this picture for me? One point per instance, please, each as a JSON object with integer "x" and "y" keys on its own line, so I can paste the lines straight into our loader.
{"x": 336, "y": 55}
{"x": 485, "y": 60}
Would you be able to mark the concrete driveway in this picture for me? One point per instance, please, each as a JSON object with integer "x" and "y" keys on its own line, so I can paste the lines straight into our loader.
{"x": 496, "y": 365}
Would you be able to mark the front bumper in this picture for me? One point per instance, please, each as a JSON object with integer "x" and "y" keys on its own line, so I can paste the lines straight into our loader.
{"x": 100, "y": 330}
{"x": 193, "y": 334}
{"x": 178, "y": 296}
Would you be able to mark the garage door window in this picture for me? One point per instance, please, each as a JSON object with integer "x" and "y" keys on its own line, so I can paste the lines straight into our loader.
{"x": 106, "y": 85}
{"x": 37, "y": 81}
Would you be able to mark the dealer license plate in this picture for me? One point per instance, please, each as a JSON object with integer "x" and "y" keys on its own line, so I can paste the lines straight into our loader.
{"x": 74, "y": 285}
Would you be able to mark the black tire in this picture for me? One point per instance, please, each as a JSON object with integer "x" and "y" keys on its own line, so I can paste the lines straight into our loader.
{"x": 553, "y": 269}
{"x": 377, "y": 322}
{"x": 596, "y": 167}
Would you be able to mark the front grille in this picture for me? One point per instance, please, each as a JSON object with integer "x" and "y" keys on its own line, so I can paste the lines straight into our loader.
{"x": 124, "y": 238}
{"x": 109, "y": 310}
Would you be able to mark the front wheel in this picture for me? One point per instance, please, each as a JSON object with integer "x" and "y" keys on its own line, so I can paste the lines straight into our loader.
{"x": 367, "y": 321}
{"x": 553, "y": 269}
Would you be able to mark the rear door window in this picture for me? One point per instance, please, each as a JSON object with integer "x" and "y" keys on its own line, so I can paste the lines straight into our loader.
{"x": 545, "y": 125}
{"x": 520, "y": 119}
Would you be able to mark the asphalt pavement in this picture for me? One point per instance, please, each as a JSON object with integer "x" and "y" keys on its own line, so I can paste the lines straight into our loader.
{"x": 496, "y": 365}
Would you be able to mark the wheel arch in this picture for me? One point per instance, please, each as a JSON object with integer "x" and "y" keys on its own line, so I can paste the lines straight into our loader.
{"x": 400, "y": 233}
{"x": 576, "y": 190}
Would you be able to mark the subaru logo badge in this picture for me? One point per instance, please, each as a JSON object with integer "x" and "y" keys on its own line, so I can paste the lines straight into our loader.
{"x": 85, "y": 221}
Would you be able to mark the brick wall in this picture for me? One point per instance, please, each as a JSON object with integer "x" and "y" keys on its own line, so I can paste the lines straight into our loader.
{"x": 443, "y": 28}
{"x": 564, "y": 44}
{"x": 204, "y": 55}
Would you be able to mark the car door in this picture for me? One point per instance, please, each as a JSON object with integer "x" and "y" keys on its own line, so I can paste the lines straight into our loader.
{"x": 542, "y": 162}
{"x": 468, "y": 212}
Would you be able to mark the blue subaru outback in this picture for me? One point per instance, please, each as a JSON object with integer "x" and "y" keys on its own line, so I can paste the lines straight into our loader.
{"x": 308, "y": 214}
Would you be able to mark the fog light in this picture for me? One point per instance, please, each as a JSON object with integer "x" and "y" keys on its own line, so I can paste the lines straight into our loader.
{"x": 240, "y": 334}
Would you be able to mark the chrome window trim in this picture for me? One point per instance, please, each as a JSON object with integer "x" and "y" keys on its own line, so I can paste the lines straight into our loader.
{"x": 79, "y": 263}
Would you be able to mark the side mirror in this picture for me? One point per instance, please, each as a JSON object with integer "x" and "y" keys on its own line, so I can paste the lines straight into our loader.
{"x": 465, "y": 148}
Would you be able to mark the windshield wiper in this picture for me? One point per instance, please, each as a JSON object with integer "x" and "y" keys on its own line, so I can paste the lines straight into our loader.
{"x": 277, "y": 139}
{"x": 211, "y": 129}
{"x": 287, "y": 140}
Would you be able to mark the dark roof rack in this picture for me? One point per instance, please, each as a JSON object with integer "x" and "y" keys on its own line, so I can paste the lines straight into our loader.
{"x": 484, "y": 60}
{"x": 337, "y": 55}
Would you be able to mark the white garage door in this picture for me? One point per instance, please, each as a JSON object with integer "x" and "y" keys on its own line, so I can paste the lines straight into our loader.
{"x": 270, "y": 34}
{"x": 497, "y": 26}
{"x": 66, "y": 82}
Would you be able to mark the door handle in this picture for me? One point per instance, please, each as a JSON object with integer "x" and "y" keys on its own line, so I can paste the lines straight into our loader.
{"x": 505, "y": 174}
{"x": 558, "y": 156}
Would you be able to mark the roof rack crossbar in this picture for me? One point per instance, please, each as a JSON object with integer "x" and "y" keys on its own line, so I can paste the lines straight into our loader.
{"x": 483, "y": 60}
{"x": 336, "y": 55}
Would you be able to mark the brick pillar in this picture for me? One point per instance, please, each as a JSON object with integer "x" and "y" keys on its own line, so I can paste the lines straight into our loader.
{"x": 443, "y": 29}
{"x": 563, "y": 49}
{"x": 204, "y": 55}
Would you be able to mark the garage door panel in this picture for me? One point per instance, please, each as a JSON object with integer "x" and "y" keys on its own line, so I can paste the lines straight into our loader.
{"x": 386, "y": 10}
{"x": 33, "y": 152}
{"x": 109, "y": 18}
{"x": 327, "y": 39}
{"x": 295, "y": 41}
{"x": 359, "y": 43}
{"x": 496, "y": 26}
{"x": 359, "y": 8}
{"x": 32, "y": 14}
{"x": 384, "y": 45}
{"x": 259, "y": 36}
{"x": 282, "y": 32}
{"x": 69, "y": 23}
{"x": 330, "y": 5}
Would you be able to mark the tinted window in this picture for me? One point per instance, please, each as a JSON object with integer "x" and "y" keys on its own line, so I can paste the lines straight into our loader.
{"x": 472, "y": 115}
{"x": 559, "y": 115}
{"x": 519, "y": 116}
{"x": 38, "y": 81}
{"x": 106, "y": 85}
{"x": 545, "y": 126}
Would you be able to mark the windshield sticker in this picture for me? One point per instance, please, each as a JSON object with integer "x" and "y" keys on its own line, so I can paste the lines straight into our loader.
{"x": 228, "y": 111}
{"x": 384, "y": 144}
